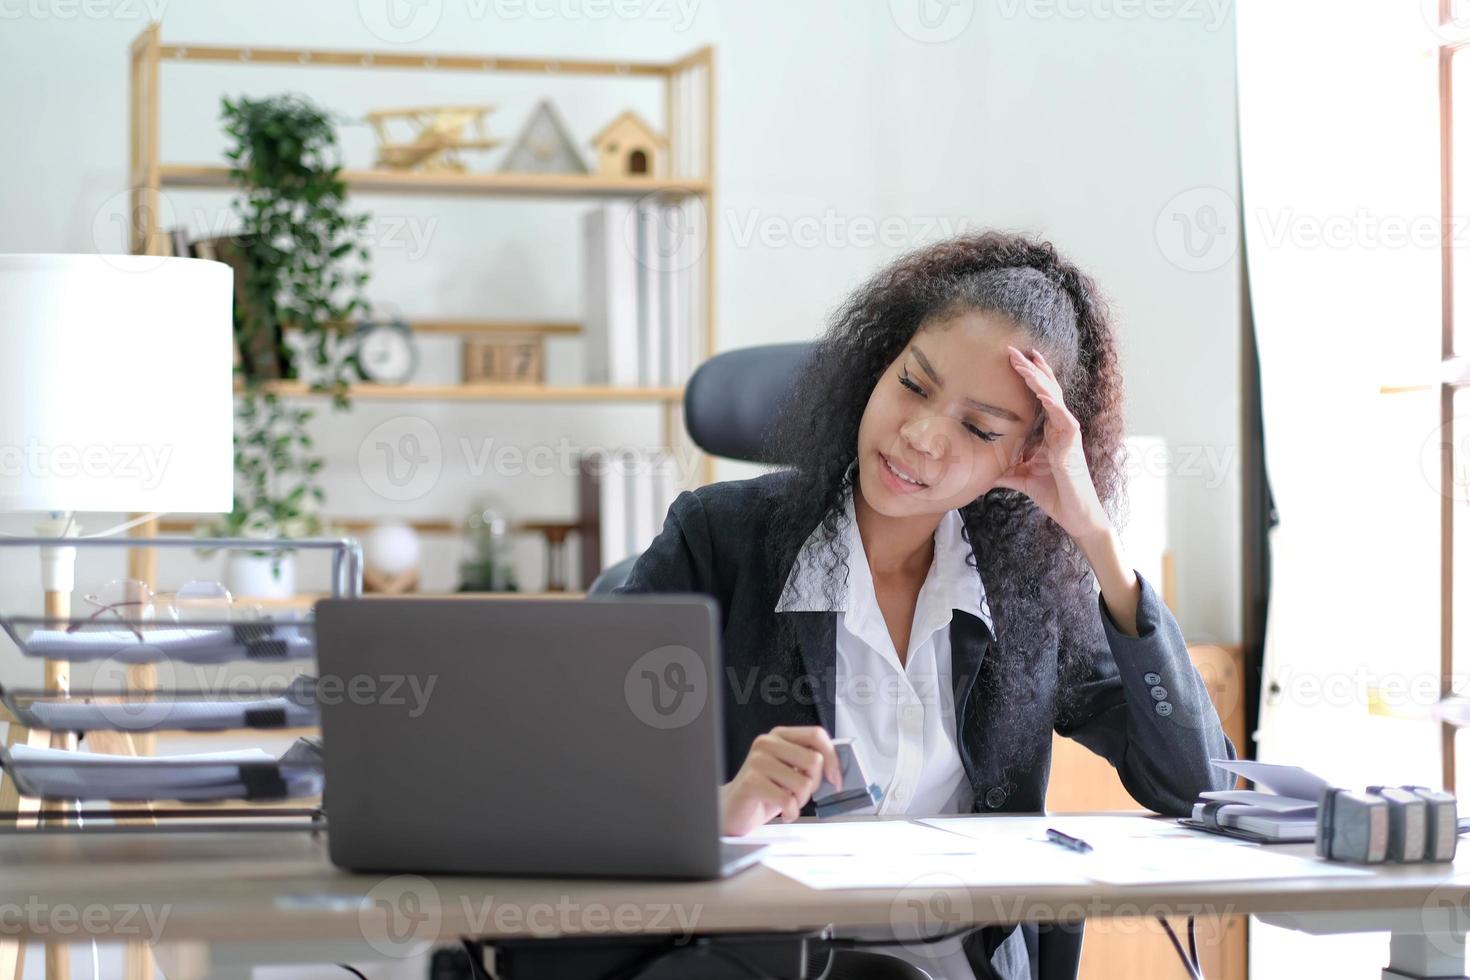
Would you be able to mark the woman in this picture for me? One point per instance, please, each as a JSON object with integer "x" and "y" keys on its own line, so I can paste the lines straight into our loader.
{"x": 938, "y": 574}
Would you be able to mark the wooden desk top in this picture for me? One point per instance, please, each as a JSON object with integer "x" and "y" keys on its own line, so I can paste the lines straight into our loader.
{"x": 280, "y": 886}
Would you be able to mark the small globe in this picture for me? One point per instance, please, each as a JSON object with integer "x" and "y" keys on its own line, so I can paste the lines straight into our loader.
{"x": 391, "y": 549}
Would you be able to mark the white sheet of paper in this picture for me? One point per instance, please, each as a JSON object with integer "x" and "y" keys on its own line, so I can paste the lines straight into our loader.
{"x": 1291, "y": 781}
{"x": 1034, "y": 828}
{"x": 1170, "y": 860}
{"x": 1141, "y": 849}
{"x": 929, "y": 872}
{"x": 861, "y": 837}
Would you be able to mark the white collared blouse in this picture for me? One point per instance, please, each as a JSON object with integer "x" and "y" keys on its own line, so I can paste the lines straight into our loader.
{"x": 900, "y": 713}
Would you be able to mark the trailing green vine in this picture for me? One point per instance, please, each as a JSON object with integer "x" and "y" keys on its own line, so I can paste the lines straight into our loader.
{"x": 300, "y": 262}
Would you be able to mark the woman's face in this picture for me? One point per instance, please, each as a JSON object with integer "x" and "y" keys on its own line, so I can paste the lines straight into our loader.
{"x": 950, "y": 412}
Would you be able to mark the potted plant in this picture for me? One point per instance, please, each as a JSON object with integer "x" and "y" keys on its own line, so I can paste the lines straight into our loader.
{"x": 300, "y": 264}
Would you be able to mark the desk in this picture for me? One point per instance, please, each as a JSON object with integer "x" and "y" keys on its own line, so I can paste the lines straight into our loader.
{"x": 259, "y": 897}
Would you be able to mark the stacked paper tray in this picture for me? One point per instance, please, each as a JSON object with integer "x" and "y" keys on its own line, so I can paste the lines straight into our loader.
{"x": 144, "y": 642}
{"x": 250, "y": 774}
{"x": 189, "y": 711}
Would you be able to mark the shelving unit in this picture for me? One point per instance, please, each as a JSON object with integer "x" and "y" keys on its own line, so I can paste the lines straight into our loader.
{"x": 490, "y": 391}
{"x": 688, "y": 123}
{"x": 476, "y": 184}
{"x": 688, "y": 91}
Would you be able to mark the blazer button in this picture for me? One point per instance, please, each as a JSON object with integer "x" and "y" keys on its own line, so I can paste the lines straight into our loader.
{"x": 1151, "y": 678}
{"x": 1164, "y": 708}
{"x": 994, "y": 797}
{"x": 1158, "y": 693}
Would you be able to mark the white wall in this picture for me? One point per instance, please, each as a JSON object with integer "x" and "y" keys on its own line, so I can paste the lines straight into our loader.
{"x": 1080, "y": 121}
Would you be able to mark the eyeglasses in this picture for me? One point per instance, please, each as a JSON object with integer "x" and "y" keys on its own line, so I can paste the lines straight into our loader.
{"x": 194, "y": 601}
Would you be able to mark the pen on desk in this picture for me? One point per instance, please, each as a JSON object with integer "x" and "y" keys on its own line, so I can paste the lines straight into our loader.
{"x": 1068, "y": 841}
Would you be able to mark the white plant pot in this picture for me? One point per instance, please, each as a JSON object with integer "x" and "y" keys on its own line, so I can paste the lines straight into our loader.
{"x": 251, "y": 576}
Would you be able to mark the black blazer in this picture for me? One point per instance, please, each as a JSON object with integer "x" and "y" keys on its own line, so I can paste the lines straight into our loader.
{"x": 1142, "y": 704}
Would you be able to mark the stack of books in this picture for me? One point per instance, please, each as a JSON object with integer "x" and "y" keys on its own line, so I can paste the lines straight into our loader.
{"x": 1283, "y": 809}
{"x": 624, "y": 497}
{"x": 638, "y": 261}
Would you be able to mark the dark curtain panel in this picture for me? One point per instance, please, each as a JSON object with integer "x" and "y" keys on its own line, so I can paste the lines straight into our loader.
{"x": 1259, "y": 515}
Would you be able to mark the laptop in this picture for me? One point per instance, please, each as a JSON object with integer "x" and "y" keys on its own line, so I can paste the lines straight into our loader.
{"x": 524, "y": 736}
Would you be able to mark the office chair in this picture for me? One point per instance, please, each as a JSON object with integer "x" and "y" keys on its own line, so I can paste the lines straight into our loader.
{"x": 730, "y": 406}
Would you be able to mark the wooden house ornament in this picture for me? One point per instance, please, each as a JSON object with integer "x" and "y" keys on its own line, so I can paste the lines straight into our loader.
{"x": 629, "y": 147}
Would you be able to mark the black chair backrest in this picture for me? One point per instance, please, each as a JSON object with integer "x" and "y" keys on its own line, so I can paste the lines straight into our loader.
{"x": 733, "y": 400}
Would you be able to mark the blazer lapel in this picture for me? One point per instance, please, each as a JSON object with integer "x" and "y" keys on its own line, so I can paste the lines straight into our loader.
{"x": 969, "y": 641}
{"x": 816, "y": 637}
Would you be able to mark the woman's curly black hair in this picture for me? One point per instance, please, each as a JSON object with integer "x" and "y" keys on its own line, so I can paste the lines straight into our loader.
{"x": 1033, "y": 573}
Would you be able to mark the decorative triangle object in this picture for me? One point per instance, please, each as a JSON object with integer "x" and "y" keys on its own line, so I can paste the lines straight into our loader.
{"x": 544, "y": 146}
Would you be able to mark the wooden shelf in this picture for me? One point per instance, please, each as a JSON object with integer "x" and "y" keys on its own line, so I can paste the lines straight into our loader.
{"x": 462, "y": 185}
{"x": 305, "y": 600}
{"x": 488, "y": 392}
{"x": 351, "y": 525}
{"x": 337, "y": 58}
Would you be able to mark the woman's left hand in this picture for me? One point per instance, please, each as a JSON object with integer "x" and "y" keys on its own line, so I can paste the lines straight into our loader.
{"x": 1055, "y": 475}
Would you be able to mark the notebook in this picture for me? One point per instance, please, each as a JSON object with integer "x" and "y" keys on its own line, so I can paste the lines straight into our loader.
{"x": 1283, "y": 810}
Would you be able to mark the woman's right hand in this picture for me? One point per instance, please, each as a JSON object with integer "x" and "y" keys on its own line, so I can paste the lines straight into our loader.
{"x": 781, "y": 772}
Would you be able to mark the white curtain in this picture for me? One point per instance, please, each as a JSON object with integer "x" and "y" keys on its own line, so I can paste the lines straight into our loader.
{"x": 1340, "y": 200}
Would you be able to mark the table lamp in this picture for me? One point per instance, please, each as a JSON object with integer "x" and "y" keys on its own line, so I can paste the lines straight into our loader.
{"x": 116, "y": 394}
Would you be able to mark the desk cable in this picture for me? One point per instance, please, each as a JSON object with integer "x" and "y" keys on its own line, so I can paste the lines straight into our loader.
{"x": 1190, "y": 959}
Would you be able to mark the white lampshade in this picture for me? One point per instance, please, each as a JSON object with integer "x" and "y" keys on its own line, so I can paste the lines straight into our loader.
{"x": 116, "y": 384}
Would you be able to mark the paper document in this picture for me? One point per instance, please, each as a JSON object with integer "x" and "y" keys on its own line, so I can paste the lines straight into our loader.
{"x": 898, "y": 838}
{"x": 1292, "y": 781}
{"x": 211, "y": 645}
{"x": 1007, "y": 867}
{"x": 1268, "y": 802}
{"x": 59, "y": 774}
{"x": 142, "y": 716}
{"x": 1206, "y": 858}
{"x": 1142, "y": 849}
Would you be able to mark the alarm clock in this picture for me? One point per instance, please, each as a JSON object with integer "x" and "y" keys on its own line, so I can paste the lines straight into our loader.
{"x": 385, "y": 351}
